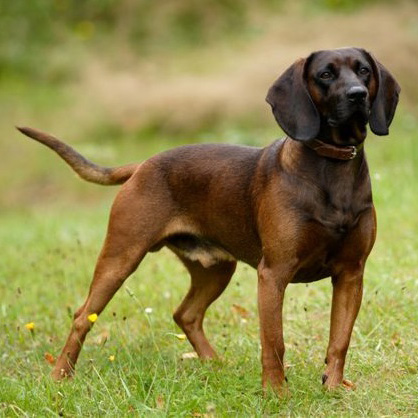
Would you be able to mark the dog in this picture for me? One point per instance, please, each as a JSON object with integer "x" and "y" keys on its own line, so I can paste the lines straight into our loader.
{"x": 298, "y": 210}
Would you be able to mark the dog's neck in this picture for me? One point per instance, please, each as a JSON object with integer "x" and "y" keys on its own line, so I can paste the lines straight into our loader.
{"x": 335, "y": 177}
{"x": 317, "y": 148}
{"x": 352, "y": 133}
{"x": 343, "y": 153}
{"x": 339, "y": 143}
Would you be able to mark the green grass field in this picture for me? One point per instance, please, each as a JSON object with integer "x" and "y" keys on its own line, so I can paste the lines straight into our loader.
{"x": 48, "y": 254}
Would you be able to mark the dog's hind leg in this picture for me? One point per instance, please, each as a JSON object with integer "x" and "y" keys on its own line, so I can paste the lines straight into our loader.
{"x": 207, "y": 284}
{"x": 128, "y": 239}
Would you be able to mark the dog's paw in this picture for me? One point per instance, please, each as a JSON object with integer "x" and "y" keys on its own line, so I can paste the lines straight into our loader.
{"x": 348, "y": 384}
{"x": 331, "y": 384}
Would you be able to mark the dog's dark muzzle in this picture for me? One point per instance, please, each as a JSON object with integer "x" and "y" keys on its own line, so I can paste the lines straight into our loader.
{"x": 352, "y": 106}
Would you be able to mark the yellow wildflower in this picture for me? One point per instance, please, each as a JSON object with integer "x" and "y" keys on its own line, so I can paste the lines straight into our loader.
{"x": 180, "y": 337}
{"x": 92, "y": 317}
{"x": 112, "y": 358}
{"x": 30, "y": 326}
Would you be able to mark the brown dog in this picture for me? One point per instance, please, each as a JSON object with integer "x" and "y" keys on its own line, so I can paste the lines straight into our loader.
{"x": 298, "y": 210}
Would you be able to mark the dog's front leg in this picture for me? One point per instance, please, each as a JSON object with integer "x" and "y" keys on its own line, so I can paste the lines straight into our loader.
{"x": 272, "y": 282}
{"x": 346, "y": 301}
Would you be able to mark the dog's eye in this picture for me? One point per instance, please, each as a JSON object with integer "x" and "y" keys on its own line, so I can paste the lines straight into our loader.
{"x": 363, "y": 71}
{"x": 326, "y": 75}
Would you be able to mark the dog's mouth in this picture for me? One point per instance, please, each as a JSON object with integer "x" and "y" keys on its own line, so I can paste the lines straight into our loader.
{"x": 345, "y": 115}
{"x": 348, "y": 123}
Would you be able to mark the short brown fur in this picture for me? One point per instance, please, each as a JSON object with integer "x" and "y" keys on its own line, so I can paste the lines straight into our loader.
{"x": 287, "y": 210}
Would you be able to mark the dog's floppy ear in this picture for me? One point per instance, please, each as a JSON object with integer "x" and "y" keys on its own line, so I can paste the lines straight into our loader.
{"x": 386, "y": 100}
{"x": 292, "y": 105}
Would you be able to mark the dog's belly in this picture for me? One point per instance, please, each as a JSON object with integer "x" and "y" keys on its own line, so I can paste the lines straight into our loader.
{"x": 207, "y": 253}
{"x": 211, "y": 242}
{"x": 198, "y": 249}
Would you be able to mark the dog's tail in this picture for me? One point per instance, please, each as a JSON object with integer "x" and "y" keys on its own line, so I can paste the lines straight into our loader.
{"x": 83, "y": 167}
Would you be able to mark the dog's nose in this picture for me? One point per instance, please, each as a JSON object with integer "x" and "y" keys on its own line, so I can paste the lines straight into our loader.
{"x": 357, "y": 94}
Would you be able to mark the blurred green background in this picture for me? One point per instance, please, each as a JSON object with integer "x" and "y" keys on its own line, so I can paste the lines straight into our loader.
{"x": 122, "y": 80}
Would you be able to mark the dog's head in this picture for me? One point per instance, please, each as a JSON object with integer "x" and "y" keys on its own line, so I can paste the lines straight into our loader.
{"x": 342, "y": 89}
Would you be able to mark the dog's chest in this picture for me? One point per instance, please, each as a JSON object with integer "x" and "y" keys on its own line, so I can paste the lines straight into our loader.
{"x": 334, "y": 204}
{"x": 336, "y": 219}
{"x": 328, "y": 226}
{"x": 319, "y": 247}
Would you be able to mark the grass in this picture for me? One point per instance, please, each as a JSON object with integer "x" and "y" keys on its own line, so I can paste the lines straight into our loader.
{"x": 48, "y": 255}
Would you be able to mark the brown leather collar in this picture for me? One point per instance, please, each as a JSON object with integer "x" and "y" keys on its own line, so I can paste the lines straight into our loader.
{"x": 344, "y": 153}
